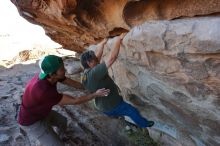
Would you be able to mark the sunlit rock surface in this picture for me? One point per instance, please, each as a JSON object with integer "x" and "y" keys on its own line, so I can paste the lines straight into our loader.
{"x": 76, "y": 24}
{"x": 169, "y": 64}
{"x": 86, "y": 126}
{"x": 171, "y": 72}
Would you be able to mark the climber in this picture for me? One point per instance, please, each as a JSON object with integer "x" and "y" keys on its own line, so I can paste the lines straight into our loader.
{"x": 36, "y": 116}
{"x": 96, "y": 76}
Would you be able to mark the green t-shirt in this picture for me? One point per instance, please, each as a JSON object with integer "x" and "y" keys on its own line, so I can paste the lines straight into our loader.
{"x": 97, "y": 78}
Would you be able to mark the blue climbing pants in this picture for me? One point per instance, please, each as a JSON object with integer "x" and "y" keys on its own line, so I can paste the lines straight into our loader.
{"x": 125, "y": 109}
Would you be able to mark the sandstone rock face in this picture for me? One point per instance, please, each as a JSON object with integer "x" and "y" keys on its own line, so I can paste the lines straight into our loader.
{"x": 171, "y": 72}
{"x": 76, "y": 24}
{"x": 86, "y": 126}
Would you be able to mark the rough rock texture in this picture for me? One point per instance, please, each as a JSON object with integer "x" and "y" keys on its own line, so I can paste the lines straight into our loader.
{"x": 86, "y": 126}
{"x": 76, "y": 24}
{"x": 171, "y": 72}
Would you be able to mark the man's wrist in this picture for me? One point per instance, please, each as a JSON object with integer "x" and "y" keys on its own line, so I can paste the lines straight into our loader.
{"x": 120, "y": 39}
{"x": 102, "y": 44}
{"x": 62, "y": 80}
{"x": 94, "y": 95}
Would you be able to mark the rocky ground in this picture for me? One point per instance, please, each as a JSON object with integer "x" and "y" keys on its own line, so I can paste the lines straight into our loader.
{"x": 86, "y": 127}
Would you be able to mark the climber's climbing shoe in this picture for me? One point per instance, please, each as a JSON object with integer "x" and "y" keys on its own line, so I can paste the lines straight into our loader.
{"x": 150, "y": 123}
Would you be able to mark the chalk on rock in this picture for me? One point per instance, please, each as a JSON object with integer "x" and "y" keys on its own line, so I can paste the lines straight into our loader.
{"x": 168, "y": 129}
{"x": 4, "y": 138}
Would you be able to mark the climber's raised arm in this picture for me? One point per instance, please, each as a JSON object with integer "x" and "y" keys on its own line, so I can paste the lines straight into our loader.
{"x": 99, "y": 50}
{"x": 114, "y": 52}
